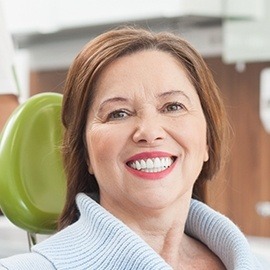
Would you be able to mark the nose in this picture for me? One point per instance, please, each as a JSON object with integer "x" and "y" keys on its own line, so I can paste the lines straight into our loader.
{"x": 149, "y": 130}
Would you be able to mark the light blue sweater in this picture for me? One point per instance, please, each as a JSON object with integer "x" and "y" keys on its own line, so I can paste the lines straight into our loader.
{"x": 99, "y": 241}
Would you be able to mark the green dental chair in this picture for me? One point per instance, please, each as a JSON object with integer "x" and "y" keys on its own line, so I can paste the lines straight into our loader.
{"x": 32, "y": 181}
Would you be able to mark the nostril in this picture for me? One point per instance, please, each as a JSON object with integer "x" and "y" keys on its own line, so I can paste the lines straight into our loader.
{"x": 148, "y": 135}
{"x": 150, "y": 140}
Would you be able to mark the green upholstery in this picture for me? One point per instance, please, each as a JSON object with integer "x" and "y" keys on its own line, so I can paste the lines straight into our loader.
{"x": 32, "y": 182}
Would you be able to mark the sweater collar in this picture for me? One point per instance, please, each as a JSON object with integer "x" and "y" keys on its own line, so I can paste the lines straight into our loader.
{"x": 221, "y": 236}
{"x": 98, "y": 240}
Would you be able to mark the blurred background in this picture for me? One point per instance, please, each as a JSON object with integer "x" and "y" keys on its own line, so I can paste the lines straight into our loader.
{"x": 232, "y": 35}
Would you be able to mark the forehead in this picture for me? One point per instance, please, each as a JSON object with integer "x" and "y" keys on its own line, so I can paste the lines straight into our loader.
{"x": 146, "y": 71}
{"x": 139, "y": 62}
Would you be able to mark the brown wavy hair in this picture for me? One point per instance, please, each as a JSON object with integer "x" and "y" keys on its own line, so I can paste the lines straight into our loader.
{"x": 79, "y": 92}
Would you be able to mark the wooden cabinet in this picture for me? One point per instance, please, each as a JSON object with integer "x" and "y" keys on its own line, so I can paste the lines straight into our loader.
{"x": 47, "y": 81}
{"x": 246, "y": 179}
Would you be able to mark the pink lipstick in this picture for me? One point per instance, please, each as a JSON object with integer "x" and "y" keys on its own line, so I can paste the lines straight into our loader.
{"x": 151, "y": 165}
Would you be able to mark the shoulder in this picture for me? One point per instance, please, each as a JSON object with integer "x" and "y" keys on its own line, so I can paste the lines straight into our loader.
{"x": 25, "y": 262}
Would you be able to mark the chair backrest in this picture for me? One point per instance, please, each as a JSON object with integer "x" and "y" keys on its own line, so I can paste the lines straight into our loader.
{"x": 32, "y": 181}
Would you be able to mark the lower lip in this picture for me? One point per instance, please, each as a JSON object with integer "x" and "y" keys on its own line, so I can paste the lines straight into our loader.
{"x": 152, "y": 175}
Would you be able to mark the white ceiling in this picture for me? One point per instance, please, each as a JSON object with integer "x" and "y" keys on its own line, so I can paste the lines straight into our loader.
{"x": 44, "y": 28}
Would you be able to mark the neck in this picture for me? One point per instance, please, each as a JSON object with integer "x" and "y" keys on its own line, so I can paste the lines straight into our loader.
{"x": 162, "y": 229}
{"x": 164, "y": 236}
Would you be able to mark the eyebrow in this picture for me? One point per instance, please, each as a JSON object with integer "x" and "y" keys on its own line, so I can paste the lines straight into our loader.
{"x": 162, "y": 95}
{"x": 174, "y": 92}
{"x": 111, "y": 100}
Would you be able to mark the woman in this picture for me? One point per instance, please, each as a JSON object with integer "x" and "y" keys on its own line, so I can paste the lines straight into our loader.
{"x": 144, "y": 129}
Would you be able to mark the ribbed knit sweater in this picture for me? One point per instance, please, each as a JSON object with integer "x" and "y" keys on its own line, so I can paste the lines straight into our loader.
{"x": 99, "y": 241}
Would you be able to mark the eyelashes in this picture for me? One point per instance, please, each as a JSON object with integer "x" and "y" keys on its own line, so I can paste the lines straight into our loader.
{"x": 168, "y": 108}
{"x": 173, "y": 107}
{"x": 118, "y": 115}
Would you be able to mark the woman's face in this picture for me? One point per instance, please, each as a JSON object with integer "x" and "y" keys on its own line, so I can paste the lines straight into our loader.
{"x": 146, "y": 132}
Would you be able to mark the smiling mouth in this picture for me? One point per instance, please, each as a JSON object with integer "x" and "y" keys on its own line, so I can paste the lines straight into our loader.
{"x": 152, "y": 165}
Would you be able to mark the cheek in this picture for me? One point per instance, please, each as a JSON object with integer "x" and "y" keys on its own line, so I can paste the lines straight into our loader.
{"x": 103, "y": 144}
{"x": 97, "y": 147}
{"x": 191, "y": 135}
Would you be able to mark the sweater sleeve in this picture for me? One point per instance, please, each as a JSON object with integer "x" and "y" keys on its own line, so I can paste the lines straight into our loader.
{"x": 25, "y": 262}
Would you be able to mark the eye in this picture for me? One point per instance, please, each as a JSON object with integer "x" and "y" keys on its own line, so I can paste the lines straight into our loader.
{"x": 173, "y": 107}
{"x": 118, "y": 115}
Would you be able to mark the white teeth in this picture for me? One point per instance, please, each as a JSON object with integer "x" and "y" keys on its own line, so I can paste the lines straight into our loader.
{"x": 138, "y": 165}
{"x": 143, "y": 164}
{"x": 157, "y": 163}
{"x": 152, "y": 164}
{"x": 149, "y": 164}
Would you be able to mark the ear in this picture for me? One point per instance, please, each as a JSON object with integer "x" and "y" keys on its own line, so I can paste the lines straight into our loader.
{"x": 206, "y": 154}
{"x": 87, "y": 160}
{"x": 90, "y": 169}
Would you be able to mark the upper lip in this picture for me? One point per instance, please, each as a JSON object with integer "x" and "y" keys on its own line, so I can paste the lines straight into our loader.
{"x": 145, "y": 155}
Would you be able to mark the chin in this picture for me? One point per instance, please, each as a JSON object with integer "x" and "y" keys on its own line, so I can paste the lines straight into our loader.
{"x": 155, "y": 201}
